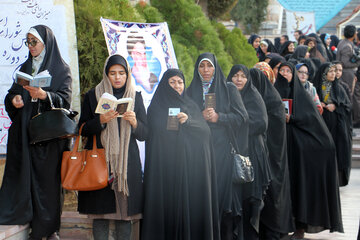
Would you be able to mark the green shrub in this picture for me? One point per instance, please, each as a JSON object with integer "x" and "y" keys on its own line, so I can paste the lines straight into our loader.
{"x": 193, "y": 30}
{"x": 149, "y": 13}
{"x": 216, "y": 8}
{"x": 236, "y": 46}
{"x": 91, "y": 43}
{"x": 250, "y": 13}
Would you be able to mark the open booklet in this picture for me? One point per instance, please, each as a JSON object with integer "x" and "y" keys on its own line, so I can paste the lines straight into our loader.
{"x": 42, "y": 79}
{"x": 108, "y": 102}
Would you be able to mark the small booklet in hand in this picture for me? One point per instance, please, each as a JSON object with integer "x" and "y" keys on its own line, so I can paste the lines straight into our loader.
{"x": 42, "y": 79}
{"x": 288, "y": 105}
{"x": 173, "y": 122}
{"x": 210, "y": 100}
{"x": 108, "y": 102}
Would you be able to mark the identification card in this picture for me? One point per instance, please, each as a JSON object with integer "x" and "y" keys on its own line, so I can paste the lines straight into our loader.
{"x": 173, "y": 122}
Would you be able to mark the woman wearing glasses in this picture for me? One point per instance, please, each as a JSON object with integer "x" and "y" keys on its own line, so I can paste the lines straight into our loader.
{"x": 303, "y": 75}
{"x": 312, "y": 160}
{"x": 31, "y": 186}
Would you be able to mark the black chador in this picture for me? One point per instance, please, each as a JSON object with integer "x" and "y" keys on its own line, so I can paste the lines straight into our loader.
{"x": 338, "y": 121}
{"x": 31, "y": 186}
{"x": 180, "y": 181}
{"x": 233, "y": 116}
{"x": 312, "y": 161}
{"x": 276, "y": 214}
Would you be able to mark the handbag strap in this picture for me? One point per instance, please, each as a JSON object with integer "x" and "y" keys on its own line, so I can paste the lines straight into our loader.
{"x": 50, "y": 99}
{"x": 77, "y": 141}
{"x": 233, "y": 141}
{"x": 94, "y": 142}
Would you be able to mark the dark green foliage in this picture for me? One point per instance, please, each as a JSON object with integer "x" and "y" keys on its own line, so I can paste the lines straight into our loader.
{"x": 184, "y": 60}
{"x": 216, "y": 8}
{"x": 237, "y": 46}
{"x": 91, "y": 44}
{"x": 191, "y": 32}
{"x": 250, "y": 14}
{"x": 190, "y": 27}
{"x": 151, "y": 14}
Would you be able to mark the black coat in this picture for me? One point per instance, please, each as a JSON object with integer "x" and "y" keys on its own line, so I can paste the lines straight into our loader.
{"x": 103, "y": 201}
{"x": 31, "y": 183}
{"x": 312, "y": 161}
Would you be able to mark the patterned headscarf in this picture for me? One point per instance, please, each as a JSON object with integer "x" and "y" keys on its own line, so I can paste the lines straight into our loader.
{"x": 206, "y": 84}
{"x": 326, "y": 85}
{"x": 267, "y": 70}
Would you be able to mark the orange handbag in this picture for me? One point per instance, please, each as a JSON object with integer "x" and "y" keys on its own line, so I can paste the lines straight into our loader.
{"x": 86, "y": 170}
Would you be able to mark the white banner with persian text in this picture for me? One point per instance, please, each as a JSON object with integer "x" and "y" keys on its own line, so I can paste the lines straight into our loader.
{"x": 304, "y": 21}
{"x": 16, "y": 18}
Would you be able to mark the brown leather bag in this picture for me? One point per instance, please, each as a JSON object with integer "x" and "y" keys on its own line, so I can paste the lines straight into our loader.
{"x": 85, "y": 170}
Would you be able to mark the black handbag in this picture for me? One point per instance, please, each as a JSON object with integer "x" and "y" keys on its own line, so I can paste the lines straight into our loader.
{"x": 243, "y": 171}
{"x": 52, "y": 124}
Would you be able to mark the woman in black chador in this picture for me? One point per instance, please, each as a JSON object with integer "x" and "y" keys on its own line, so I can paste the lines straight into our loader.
{"x": 122, "y": 200}
{"x": 180, "y": 183}
{"x": 337, "y": 116}
{"x": 226, "y": 115}
{"x": 31, "y": 187}
{"x": 276, "y": 216}
{"x": 312, "y": 160}
{"x": 253, "y": 193}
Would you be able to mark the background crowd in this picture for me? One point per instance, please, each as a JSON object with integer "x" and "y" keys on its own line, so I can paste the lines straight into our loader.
{"x": 300, "y": 154}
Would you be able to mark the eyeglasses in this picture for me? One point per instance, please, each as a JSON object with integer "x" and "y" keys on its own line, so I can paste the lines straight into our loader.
{"x": 31, "y": 43}
{"x": 301, "y": 72}
{"x": 285, "y": 71}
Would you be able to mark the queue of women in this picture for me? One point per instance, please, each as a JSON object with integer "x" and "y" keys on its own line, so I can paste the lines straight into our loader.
{"x": 300, "y": 157}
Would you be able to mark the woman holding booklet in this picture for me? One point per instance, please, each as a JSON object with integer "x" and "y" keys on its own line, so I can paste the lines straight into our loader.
{"x": 312, "y": 160}
{"x": 31, "y": 185}
{"x": 122, "y": 199}
{"x": 180, "y": 183}
{"x": 225, "y": 113}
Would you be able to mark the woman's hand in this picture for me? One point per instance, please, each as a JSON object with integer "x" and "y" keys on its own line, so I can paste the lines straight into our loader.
{"x": 323, "y": 104}
{"x": 183, "y": 117}
{"x": 36, "y": 92}
{"x": 107, "y": 117}
{"x": 287, "y": 118}
{"x": 331, "y": 107}
{"x": 130, "y": 116}
{"x": 17, "y": 101}
{"x": 210, "y": 115}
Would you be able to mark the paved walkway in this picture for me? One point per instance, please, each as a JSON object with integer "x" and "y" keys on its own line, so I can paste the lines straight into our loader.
{"x": 350, "y": 203}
